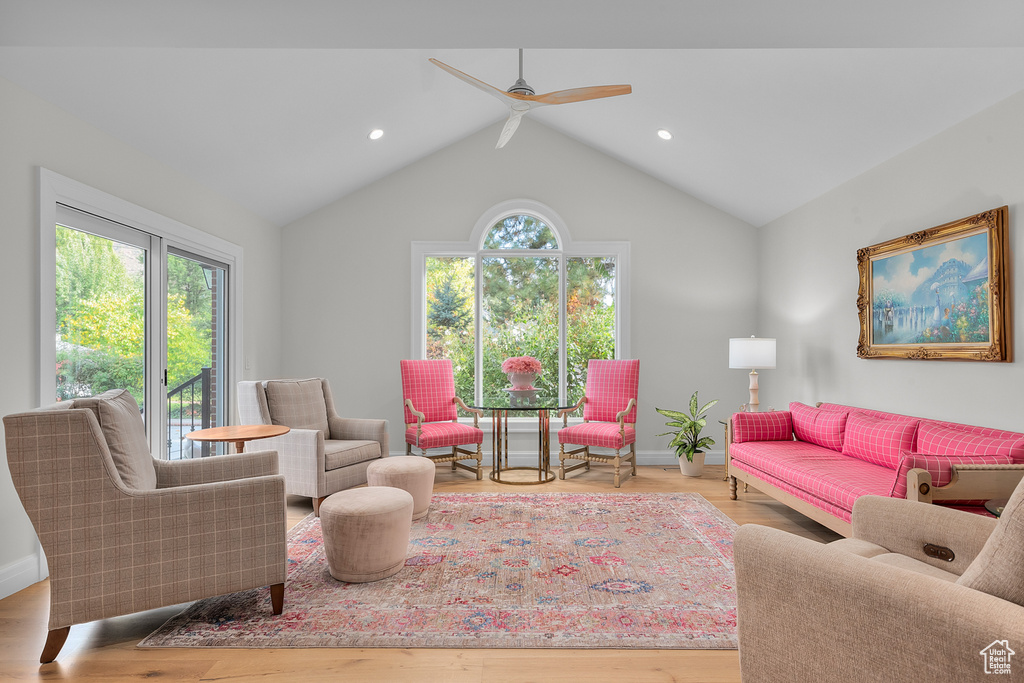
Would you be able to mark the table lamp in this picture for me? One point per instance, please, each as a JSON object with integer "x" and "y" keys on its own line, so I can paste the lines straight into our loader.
{"x": 752, "y": 352}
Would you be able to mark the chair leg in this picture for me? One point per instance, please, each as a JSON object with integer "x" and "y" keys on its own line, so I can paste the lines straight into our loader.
{"x": 617, "y": 463}
{"x": 479, "y": 462}
{"x": 277, "y": 598}
{"x": 54, "y": 642}
{"x": 732, "y": 488}
{"x": 317, "y": 502}
{"x": 632, "y": 450}
{"x": 561, "y": 461}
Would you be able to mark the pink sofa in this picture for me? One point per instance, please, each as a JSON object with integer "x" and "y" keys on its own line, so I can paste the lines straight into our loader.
{"x": 819, "y": 460}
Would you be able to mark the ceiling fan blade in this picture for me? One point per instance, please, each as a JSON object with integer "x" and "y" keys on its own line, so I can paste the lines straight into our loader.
{"x": 514, "y": 117}
{"x": 593, "y": 92}
{"x": 475, "y": 82}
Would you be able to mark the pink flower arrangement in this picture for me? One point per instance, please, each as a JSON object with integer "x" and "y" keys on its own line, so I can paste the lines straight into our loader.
{"x": 523, "y": 364}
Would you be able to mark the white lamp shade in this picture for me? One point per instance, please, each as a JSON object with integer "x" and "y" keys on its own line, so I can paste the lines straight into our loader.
{"x": 752, "y": 353}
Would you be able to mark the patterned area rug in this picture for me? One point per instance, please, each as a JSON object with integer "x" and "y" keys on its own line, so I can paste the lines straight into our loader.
{"x": 508, "y": 570}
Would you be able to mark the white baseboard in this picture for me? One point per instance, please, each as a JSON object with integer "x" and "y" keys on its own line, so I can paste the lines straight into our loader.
{"x": 22, "y": 573}
{"x": 653, "y": 458}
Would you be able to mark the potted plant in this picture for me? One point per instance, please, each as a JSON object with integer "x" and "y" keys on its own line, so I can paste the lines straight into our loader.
{"x": 686, "y": 438}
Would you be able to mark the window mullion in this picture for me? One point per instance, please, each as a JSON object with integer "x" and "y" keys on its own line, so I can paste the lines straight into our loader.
{"x": 478, "y": 356}
{"x": 563, "y": 277}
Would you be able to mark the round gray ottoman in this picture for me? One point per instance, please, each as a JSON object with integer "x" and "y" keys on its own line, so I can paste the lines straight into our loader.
{"x": 410, "y": 473}
{"x": 366, "y": 532}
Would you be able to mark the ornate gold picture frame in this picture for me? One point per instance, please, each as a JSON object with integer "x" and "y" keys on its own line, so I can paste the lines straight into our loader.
{"x": 938, "y": 294}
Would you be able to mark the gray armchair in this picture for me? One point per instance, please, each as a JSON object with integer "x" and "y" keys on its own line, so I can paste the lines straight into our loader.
{"x": 918, "y": 593}
{"x": 123, "y": 532}
{"x": 323, "y": 453}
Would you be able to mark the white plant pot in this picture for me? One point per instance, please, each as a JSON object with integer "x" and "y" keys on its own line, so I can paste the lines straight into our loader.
{"x": 521, "y": 381}
{"x": 692, "y": 469}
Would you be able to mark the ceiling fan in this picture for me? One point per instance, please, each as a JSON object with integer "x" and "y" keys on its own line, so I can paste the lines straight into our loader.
{"x": 521, "y": 97}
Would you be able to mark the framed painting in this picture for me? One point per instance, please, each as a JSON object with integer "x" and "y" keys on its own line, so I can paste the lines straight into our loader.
{"x": 938, "y": 294}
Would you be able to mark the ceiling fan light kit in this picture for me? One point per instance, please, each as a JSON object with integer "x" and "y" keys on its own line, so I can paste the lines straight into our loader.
{"x": 521, "y": 98}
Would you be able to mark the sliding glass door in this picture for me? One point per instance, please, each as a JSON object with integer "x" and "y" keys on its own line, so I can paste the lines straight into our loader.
{"x": 196, "y": 346}
{"x": 135, "y": 312}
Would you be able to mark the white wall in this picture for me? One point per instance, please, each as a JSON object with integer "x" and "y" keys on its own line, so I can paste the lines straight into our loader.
{"x": 346, "y": 270}
{"x": 809, "y": 275}
{"x": 34, "y": 133}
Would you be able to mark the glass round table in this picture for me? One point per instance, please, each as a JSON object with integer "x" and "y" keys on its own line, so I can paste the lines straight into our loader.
{"x": 514, "y": 404}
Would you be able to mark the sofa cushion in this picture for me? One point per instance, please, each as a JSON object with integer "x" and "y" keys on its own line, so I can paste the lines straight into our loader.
{"x": 879, "y": 441}
{"x": 775, "y": 425}
{"x": 834, "y": 510}
{"x": 936, "y": 439}
{"x": 820, "y": 472}
{"x": 342, "y": 453}
{"x": 997, "y": 568}
{"x": 941, "y": 469}
{"x": 125, "y": 432}
{"x": 821, "y": 427}
{"x": 298, "y": 404}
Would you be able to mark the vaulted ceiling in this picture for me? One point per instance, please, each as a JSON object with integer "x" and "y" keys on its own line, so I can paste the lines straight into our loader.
{"x": 771, "y": 103}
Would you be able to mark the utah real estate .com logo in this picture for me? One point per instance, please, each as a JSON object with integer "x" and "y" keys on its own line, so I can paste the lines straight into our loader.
{"x": 997, "y": 657}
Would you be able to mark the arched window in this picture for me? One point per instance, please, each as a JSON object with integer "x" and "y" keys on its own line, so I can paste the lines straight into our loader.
{"x": 520, "y": 287}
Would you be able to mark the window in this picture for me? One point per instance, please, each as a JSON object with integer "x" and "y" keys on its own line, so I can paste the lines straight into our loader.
{"x": 520, "y": 287}
{"x": 133, "y": 300}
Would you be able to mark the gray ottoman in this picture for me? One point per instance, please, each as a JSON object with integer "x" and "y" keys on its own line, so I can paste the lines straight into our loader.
{"x": 410, "y": 473}
{"x": 366, "y": 532}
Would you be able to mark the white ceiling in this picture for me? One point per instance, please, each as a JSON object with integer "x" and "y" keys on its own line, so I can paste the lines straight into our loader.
{"x": 771, "y": 103}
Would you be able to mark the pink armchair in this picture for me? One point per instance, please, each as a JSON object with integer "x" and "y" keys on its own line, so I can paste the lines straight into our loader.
{"x": 609, "y": 417}
{"x": 431, "y": 415}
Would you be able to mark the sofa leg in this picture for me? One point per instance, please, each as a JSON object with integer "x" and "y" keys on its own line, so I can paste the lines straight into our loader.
{"x": 317, "y": 502}
{"x": 54, "y": 642}
{"x": 277, "y": 598}
{"x": 732, "y": 488}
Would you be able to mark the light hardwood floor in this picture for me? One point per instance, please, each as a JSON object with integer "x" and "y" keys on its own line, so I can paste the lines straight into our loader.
{"x": 105, "y": 650}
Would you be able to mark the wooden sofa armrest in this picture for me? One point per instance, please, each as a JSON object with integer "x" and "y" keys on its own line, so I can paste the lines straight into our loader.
{"x": 969, "y": 482}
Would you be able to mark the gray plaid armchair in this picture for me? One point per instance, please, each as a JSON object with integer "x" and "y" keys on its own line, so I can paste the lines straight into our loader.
{"x": 124, "y": 532}
{"x": 323, "y": 453}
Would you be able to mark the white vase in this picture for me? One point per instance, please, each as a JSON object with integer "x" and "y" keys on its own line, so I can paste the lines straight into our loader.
{"x": 521, "y": 380}
{"x": 692, "y": 469}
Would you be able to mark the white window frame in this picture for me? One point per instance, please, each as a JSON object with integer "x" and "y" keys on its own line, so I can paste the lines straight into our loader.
{"x": 474, "y": 248}
{"x": 56, "y": 189}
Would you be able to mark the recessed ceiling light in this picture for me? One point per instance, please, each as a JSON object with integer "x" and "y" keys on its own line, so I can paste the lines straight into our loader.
{"x": 376, "y": 134}
{"x": 664, "y": 134}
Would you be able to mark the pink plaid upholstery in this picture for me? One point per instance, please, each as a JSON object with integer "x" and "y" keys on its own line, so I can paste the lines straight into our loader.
{"x": 775, "y": 425}
{"x": 896, "y": 417}
{"x": 601, "y": 434}
{"x": 937, "y": 439}
{"x": 821, "y": 427}
{"x": 813, "y": 473}
{"x": 877, "y": 440}
{"x": 834, "y": 510}
{"x": 443, "y": 434}
{"x": 431, "y": 386}
{"x": 940, "y": 467}
{"x": 610, "y": 385}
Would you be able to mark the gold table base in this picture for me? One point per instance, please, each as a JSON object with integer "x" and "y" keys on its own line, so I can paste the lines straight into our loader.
{"x": 499, "y": 449}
